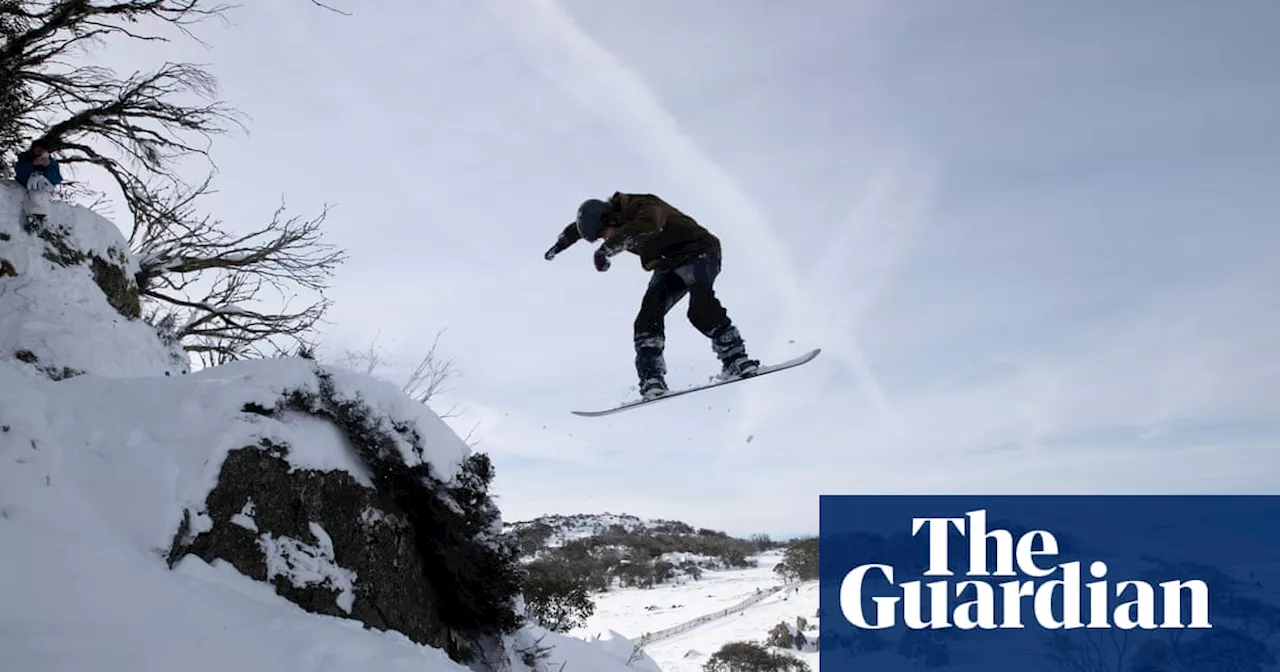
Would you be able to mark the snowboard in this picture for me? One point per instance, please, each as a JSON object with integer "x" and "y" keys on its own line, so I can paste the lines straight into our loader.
{"x": 762, "y": 371}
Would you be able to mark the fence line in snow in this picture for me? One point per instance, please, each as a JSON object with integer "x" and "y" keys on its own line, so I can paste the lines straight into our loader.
{"x": 667, "y": 633}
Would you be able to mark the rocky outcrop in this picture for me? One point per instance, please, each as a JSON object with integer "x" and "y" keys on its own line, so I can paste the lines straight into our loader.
{"x": 404, "y": 550}
{"x": 69, "y": 300}
{"x": 326, "y": 542}
{"x": 110, "y": 273}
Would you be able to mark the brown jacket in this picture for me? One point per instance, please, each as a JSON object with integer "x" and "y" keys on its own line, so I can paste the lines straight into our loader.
{"x": 663, "y": 237}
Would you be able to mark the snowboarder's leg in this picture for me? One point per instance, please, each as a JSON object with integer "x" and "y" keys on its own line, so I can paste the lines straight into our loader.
{"x": 708, "y": 315}
{"x": 665, "y": 290}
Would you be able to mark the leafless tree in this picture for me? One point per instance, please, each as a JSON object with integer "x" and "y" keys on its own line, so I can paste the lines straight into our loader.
{"x": 183, "y": 250}
{"x": 1089, "y": 651}
{"x": 427, "y": 379}
{"x": 138, "y": 129}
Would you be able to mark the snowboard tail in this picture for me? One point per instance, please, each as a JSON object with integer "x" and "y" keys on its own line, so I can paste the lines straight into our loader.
{"x": 762, "y": 371}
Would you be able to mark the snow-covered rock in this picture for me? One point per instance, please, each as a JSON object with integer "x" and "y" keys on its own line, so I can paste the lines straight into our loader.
{"x": 261, "y": 515}
{"x": 68, "y": 299}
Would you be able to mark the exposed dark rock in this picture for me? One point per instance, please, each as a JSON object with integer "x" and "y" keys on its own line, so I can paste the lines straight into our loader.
{"x": 427, "y": 555}
{"x": 121, "y": 293}
{"x": 390, "y": 590}
{"x": 110, "y": 275}
{"x": 53, "y": 372}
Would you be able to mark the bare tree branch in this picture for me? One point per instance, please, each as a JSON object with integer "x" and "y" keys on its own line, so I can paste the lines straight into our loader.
{"x": 225, "y": 314}
{"x": 138, "y": 129}
{"x": 317, "y": 3}
{"x": 425, "y": 382}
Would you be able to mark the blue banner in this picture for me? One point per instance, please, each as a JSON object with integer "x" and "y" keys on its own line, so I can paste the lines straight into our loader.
{"x": 1071, "y": 583}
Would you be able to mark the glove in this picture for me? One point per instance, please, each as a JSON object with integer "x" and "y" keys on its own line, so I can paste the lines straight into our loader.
{"x": 601, "y": 259}
{"x": 560, "y": 246}
{"x": 39, "y": 183}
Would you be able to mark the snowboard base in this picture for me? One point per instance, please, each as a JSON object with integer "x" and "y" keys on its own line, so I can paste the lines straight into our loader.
{"x": 762, "y": 371}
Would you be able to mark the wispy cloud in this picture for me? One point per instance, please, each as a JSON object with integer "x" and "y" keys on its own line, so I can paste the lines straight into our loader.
{"x": 817, "y": 303}
{"x": 589, "y": 74}
{"x": 1034, "y": 261}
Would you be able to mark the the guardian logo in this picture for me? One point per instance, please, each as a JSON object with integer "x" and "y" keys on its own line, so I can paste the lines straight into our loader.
{"x": 1030, "y": 556}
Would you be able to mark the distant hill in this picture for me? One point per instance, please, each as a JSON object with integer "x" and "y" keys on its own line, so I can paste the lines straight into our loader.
{"x": 610, "y": 549}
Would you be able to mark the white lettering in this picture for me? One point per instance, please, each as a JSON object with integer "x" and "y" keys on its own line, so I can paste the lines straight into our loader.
{"x": 939, "y": 564}
{"x": 1145, "y": 617}
{"x": 974, "y": 604}
{"x": 978, "y": 536}
{"x": 1173, "y": 604}
{"x": 1027, "y": 552}
{"x": 1070, "y": 586}
{"x": 980, "y": 612}
{"x": 851, "y": 599}
{"x": 912, "y": 603}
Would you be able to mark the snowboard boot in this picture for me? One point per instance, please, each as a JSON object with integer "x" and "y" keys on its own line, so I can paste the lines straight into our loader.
{"x": 740, "y": 367}
{"x": 732, "y": 353}
{"x": 652, "y": 388}
{"x": 651, "y": 367}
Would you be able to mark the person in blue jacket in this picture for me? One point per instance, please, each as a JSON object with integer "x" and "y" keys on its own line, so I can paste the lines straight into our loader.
{"x": 36, "y": 169}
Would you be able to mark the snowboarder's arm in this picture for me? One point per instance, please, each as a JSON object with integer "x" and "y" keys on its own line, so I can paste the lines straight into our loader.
{"x": 646, "y": 221}
{"x": 22, "y": 170}
{"x": 52, "y": 172}
{"x": 567, "y": 237}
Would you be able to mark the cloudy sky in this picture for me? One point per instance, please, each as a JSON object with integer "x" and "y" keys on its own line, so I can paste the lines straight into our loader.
{"x": 1036, "y": 241}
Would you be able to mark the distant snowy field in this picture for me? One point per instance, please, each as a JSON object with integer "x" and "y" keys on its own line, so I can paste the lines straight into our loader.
{"x": 636, "y": 611}
{"x": 689, "y": 651}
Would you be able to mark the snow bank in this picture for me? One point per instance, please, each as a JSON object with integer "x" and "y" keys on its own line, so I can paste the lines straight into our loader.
{"x": 84, "y": 507}
{"x": 104, "y": 452}
{"x": 146, "y": 449}
{"x": 54, "y": 316}
{"x": 605, "y": 652}
{"x": 94, "y": 476}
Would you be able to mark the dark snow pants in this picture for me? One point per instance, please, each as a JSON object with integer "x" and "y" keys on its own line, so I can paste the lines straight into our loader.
{"x": 666, "y": 288}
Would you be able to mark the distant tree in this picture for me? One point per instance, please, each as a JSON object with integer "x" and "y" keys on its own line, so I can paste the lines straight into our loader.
{"x": 926, "y": 647}
{"x": 800, "y": 560}
{"x": 554, "y": 598}
{"x": 752, "y": 657}
{"x": 783, "y": 636}
{"x": 663, "y": 571}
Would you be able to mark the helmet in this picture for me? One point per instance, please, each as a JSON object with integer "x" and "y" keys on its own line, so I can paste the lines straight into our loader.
{"x": 592, "y": 218}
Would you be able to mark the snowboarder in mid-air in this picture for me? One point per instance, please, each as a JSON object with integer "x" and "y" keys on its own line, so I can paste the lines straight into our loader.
{"x": 684, "y": 258}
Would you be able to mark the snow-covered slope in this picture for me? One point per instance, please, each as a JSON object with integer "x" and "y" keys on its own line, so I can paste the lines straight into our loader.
{"x": 54, "y": 311}
{"x": 100, "y": 468}
{"x": 635, "y": 612}
{"x": 557, "y": 530}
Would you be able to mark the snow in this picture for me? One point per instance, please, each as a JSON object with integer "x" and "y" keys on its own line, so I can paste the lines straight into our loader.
{"x": 58, "y": 313}
{"x": 306, "y": 565}
{"x": 750, "y": 624}
{"x": 245, "y": 517}
{"x": 565, "y": 529}
{"x": 98, "y": 470}
{"x": 637, "y": 611}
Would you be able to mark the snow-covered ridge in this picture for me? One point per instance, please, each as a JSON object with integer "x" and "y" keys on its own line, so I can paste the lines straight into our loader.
{"x": 556, "y": 530}
{"x": 155, "y": 519}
